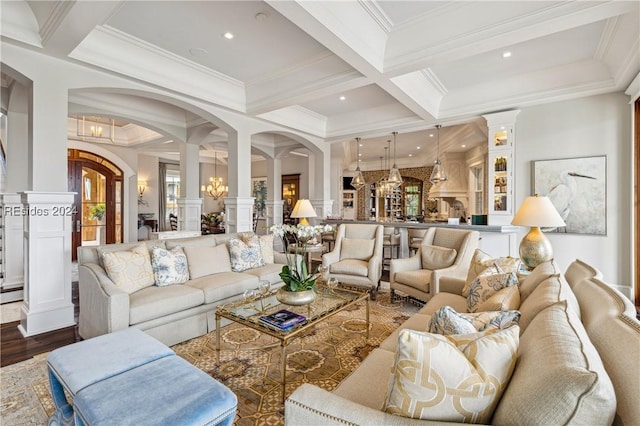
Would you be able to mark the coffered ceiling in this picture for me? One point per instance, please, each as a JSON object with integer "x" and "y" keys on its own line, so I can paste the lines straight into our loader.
{"x": 344, "y": 69}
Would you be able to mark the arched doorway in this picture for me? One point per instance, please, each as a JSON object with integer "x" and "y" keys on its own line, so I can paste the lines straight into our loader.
{"x": 97, "y": 211}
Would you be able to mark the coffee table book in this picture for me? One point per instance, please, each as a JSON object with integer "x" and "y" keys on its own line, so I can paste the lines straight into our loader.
{"x": 283, "y": 319}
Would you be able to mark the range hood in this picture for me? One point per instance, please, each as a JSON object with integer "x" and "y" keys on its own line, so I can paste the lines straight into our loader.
{"x": 455, "y": 187}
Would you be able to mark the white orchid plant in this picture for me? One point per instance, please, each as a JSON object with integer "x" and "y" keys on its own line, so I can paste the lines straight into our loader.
{"x": 294, "y": 274}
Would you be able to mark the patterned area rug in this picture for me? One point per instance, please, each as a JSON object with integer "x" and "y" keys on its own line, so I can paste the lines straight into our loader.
{"x": 249, "y": 364}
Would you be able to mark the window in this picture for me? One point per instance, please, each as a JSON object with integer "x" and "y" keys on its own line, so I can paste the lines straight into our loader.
{"x": 412, "y": 200}
{"x": 173, "y": 191}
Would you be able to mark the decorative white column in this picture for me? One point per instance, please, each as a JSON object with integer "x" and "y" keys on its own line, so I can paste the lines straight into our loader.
{"x": 239, "y": 203}
{"x": 323, "y": 209}
{"x": 274, "y": 191}
{"x": 47, "y": 238}
{"x": 239, "y": 214}
{"x": 189, "y": 211}
{"x": 274, "y": 212}
{"x": 13, "y": 240}
{"x": 319, "y": 188}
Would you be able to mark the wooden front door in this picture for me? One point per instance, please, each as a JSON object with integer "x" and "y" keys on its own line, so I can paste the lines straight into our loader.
{"x": 97, "y": 210}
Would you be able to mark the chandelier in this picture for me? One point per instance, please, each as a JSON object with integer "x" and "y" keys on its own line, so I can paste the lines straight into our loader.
{"x": 215, "y": 188}
{"x": 95, "y": 128}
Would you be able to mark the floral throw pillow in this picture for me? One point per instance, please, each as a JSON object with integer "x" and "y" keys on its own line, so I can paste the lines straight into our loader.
{"x": 245, "y": 255}
{"x": 485, "y": 286}
{"x": 169, "y": 266}
{"x": 447, "y": 321}
{"x": 481, "y": 261}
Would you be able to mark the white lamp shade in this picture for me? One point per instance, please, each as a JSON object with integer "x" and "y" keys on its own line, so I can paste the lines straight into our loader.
{"x": 537, "y": 211}
{"x": 303, "y": 208}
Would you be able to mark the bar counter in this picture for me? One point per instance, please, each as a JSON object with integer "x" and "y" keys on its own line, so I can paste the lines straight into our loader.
{"x": 496, "y": 240}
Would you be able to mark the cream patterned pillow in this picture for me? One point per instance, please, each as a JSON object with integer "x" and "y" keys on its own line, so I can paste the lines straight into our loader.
{"x": 245, "y": 255}
{"x": 129, "y": 270}
{"x": 451, "y": 378}
{"x": 503, "y": 300}
{"x": 481, "y": 261}
{"x": 356, "y": 248}
{"x": 169, "y": 266}
{"x": 434, "y": 257}
{"x": 447, "y": 321}
{"x": 266, "y": 248}
{"x": 485, "y": 286}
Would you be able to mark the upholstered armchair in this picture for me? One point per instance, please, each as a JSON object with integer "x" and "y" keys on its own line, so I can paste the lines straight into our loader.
{"x": 356, "y": 258}
{"x": 444, "y": 253}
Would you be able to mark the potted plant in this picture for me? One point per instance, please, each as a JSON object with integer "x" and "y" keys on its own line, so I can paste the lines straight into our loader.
{"x": 97, "y": 212}
{"x": 299, "y": 283}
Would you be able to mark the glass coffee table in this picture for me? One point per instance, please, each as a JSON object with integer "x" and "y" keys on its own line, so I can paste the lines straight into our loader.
{"x": 328, "y": 302}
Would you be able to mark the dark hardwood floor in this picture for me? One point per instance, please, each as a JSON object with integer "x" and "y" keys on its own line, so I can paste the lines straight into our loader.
{"x": 15, "y": 348}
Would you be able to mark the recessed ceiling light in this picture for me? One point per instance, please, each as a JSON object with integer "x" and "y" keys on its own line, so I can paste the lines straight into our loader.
{"x": 506, "y": 54}
{"x": 342, "y": 98}
{"x": 359, "y": 155}
{"x": 417, "y": 147}
{"x": 431, "y": 135}
{"x": 360, "y": 144}
{"x": 463, "y": 145}
{"x": 228, "y": 35}
{"x": 410, "y": 155}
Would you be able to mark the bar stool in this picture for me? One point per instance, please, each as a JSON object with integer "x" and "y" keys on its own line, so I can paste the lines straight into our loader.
{"x": 416, "y": 235}
{"x": 391, "y": 241}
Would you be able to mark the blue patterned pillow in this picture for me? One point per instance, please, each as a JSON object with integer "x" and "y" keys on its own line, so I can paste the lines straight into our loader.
{"x": 169, "y": 266}
{"x": 447, "y": 321}
{"x": 485, "y": 286}
{"x": 245, "y": 255}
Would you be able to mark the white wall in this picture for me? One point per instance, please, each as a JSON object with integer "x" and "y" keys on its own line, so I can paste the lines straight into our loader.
{"x": 148, "y": 170}
{"x": 597, "y": 125}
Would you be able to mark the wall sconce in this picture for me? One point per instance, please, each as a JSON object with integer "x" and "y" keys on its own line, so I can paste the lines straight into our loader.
{"x": 142, "y": 185}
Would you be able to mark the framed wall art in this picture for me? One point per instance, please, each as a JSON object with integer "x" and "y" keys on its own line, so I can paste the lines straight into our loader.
{"x": 577, "y": 187}
{"x": 259, "y": 191}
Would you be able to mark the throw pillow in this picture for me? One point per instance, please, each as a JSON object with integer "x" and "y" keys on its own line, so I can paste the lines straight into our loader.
{"x": 129, "y": 270}
{"x": 266, "y": 248}
{"x": 447, "y": 321}
{"x": 451, "y": 378}
{"x": 169, "y": 266}
{"x": 434, "y": 257}
{"x": 207, "y": 260}
{"x": 483, "y": 287}
{"x": 503, "y": 300}
{"x": 245, "y": 255}
{"x": 481, "y": 261}
{"x": 356, "y": 248}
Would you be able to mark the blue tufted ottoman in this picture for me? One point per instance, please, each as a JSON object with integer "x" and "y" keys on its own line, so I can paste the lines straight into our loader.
{"x": 128, "y": 377}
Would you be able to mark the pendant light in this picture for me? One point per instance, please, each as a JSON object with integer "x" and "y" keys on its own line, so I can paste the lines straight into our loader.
{"x": 438, "y": 174}
{"x": 395, "y": 179}
{"x": 358, "y": 180}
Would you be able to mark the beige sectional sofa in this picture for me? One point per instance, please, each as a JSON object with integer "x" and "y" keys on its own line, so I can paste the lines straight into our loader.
{"x": 577, "y": 359}
{"x": 172, "y": 313}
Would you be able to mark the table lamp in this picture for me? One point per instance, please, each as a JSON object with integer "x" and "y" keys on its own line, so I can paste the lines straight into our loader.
{"x": 302, "y": 210}
{"x": 536, "y": 212}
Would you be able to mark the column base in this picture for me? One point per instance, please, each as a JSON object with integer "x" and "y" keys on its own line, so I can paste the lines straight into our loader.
{"x": 239, "y": 214}
{"x": 32, "y": 323}
{"x": 189, "y": 211}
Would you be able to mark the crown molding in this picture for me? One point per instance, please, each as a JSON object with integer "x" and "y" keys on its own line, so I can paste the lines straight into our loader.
{"x": 377, "y": 14}
{"x": 59, "y": 12}
{"x": 606, "y": 38}
{"x": 104, "y": 48}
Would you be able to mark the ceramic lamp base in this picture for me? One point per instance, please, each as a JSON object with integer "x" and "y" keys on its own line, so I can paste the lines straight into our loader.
{"x": 535, "y": 248}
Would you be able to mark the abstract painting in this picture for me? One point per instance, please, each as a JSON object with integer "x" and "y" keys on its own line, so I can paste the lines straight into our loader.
{"x": 577, "y": 187}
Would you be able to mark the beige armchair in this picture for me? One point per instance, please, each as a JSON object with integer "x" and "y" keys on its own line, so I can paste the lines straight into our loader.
{"x": 444, "y": 253}
{"x": 356, "y": 258}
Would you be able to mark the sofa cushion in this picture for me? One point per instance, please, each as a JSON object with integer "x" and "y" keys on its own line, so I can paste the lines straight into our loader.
{"x": 207, "y": 260}
{"x": 560, "y": 378}
{"x": 420, "y": 279}
{"x": 418, "y": 322}
{"x": 269, "y": 272}
{"x": 224, "y": 285}
{"x": 457, "y": 302}
{"x": 169, "y": 266}
{"x": 266, "y": 248}
{"x": 451, "y": 378}
{"x": 506, "y": 299}
{"x": 245, "y": 255}
{"x": 350, "y": 267}
{"x": 130, "y": 270}
{"x": 201, "y": 241}
{"x": 485, "y": 286}
{"x": 434, "y": 257}
{"x": 155, "y": 302}
{"x": 552, "y": 290}
{"x": 356, "y": 248}
{"x": 539, "y": 274}
{"x": 481, "y": 261}
{"x": 447, "y": 321}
